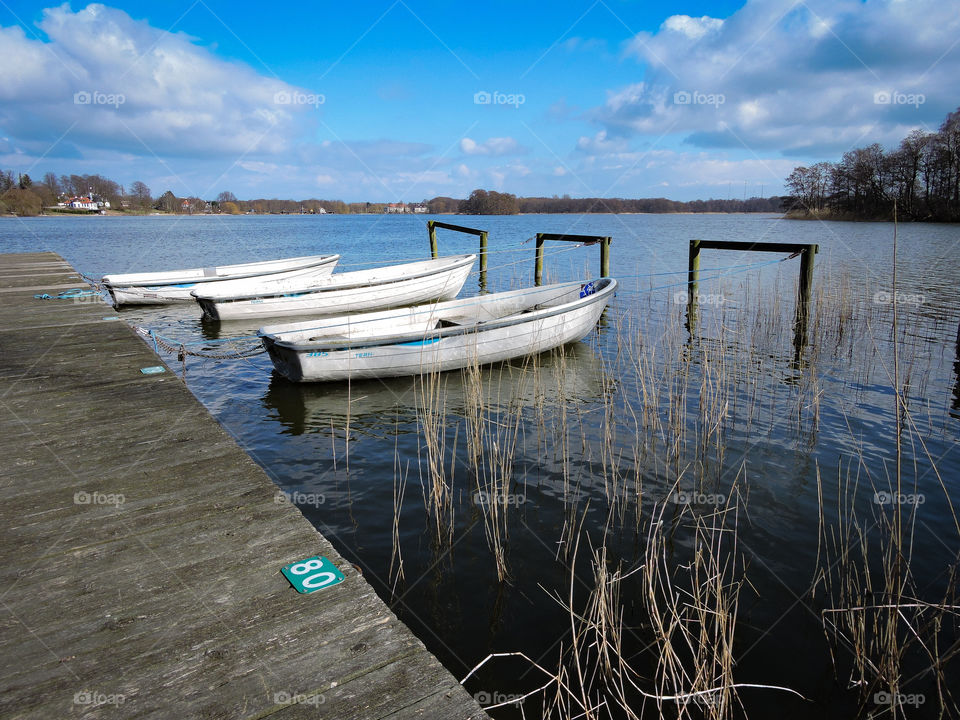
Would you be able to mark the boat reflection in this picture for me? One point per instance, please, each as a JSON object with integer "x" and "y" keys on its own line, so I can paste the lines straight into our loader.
{"x": 381, "y": 408}
{"x": 221, "y": 329}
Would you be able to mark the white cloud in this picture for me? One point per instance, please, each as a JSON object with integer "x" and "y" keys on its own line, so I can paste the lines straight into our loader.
{"x": 601, "y": 144}
{"x": 694, "y": 28}
{"x": 797, "y": 78}
{"x": 262, "y": 168}
{"x": 687, "y": 175}
{"x": 119, "y": 84}
{"x": 495, "y": 147}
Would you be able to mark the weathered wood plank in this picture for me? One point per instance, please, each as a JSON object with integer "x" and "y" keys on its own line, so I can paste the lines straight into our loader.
{"x": 171, "y": 602}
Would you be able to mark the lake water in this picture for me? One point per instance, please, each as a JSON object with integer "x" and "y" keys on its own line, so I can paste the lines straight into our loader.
{"x": 571, "y": 428}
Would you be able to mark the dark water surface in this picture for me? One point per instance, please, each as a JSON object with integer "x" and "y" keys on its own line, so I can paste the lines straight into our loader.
{"x": 342, "y": 451}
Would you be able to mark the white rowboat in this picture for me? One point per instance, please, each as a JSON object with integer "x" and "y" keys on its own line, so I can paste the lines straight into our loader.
{"x": 437, "y": 337}
{"x": 358, "y": 291}
{"x": 162, "y": 288}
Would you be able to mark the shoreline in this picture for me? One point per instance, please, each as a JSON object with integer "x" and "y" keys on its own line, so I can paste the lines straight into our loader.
{"x": 114, "y": 213}
{"x": 782, "y": 216}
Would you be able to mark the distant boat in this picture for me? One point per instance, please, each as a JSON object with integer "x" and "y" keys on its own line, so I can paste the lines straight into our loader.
{"x": 437, "y": 337}
{"x": 170, "y": 286}
{"x": 358, "y": 291}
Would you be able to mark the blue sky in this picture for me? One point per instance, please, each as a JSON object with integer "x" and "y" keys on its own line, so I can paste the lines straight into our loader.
{"x": 406, "y": 100}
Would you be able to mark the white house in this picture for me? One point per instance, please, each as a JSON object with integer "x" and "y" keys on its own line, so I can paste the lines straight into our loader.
{"x": 84, "y": 203}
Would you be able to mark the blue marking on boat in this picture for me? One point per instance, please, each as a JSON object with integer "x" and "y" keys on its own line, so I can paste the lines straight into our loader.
{"x": 164, "y": 287}
{"x": 415, "y": 343}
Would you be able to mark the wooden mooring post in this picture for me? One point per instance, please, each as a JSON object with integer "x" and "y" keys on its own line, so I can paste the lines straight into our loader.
{"x": 604, "y": 241}
{"x": 804, "y": 287}
{"x": 432, "y": 226}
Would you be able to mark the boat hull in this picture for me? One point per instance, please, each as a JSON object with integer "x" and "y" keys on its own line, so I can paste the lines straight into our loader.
{"x": 478, "y": 346}
{"x": 343, "y": 295}
{"x": 175, "y": 286}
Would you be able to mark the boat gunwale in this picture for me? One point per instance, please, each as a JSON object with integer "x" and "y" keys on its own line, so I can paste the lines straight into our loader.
{"x": 435, "y": 334}
{"x": 146, "y": 283}
{"x": 457, "y": 262}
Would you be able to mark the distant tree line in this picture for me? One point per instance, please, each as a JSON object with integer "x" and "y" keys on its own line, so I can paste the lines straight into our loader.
{"x": 21, "y": 196}
{"x": 482, "y": 202}
{"x": 922, "y": 175}
{"x": 566, "y": 204}
{"x": 276, "y": 206}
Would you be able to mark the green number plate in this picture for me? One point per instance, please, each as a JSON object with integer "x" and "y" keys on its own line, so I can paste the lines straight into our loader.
{"x": 314, "y": 573}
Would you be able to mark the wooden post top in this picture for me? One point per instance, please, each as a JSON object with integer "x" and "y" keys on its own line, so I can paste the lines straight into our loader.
{"x": 459, "y": 228}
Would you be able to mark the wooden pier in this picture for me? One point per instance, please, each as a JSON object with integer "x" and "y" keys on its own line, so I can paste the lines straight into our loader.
{"x": 141, "y": 547}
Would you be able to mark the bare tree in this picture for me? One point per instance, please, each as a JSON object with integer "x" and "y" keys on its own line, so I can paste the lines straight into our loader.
{"x": 141, "y": 194}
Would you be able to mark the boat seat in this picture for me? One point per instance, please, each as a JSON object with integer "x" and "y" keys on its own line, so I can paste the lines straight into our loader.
{"x": 318, "y": 338}
{"x": 457, "y": 320}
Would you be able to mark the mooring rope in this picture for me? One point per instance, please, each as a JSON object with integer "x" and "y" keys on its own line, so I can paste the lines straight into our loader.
{"x": 549, "y": 253}
{"x": 726, "y": 271}
{"x": 96, "y": 282}
{"x": 182, "y": 349}
{"x": 68, "y": 294}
